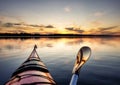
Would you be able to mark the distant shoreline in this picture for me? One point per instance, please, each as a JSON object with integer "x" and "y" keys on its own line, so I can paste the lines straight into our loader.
{"x": 24, "y": 35}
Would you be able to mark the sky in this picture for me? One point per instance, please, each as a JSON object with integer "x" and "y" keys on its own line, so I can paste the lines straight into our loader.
{"x": 60, "y": 16}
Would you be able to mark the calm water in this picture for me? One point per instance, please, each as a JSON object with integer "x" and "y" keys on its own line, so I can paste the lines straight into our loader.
{"x": 103, "y": 67}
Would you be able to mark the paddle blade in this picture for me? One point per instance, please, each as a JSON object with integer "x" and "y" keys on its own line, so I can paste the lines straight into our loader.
{"x": 82, "y": 56}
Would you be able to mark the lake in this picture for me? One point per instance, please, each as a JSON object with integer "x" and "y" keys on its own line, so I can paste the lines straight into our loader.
{"x": 59, "y": 55}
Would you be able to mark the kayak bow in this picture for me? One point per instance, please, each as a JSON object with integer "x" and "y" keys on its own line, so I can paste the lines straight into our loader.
{"x": 32, "y": 72}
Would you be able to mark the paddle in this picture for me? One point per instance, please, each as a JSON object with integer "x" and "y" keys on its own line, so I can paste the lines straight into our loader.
{"x": 82, "y": 56}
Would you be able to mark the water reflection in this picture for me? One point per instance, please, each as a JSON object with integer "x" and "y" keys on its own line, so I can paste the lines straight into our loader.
{"x": 59, "y": 55}
{"x": 10, "y": 45}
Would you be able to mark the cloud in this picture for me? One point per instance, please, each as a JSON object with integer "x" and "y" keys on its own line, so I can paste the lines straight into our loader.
{"x": 108, "y": 28}
{"x": 67, "y": 9}
{"x": 49, "y": 26}
{"x": 40, "y": 26}
{"x": 35, "y": 25}
{"x": 8, "y": 24}
{"x": 70, "y": 28}
{"x": 99, "y": 14}
{"x": 75, "y": 29}
{"x": 17, "y": 24}
{"x": 112, "y": 30}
